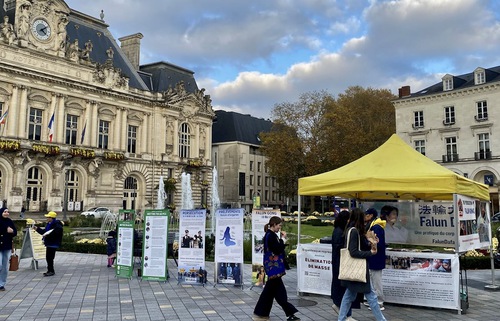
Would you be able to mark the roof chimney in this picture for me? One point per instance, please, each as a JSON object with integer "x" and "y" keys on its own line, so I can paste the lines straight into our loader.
{"x": 131, "y": 46}
{"x": 404, "y": 91}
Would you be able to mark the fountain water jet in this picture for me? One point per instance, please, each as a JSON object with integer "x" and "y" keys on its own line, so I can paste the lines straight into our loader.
{"x": 215, "y": 196}
{"x": 160, "y": 199}
{"x": 187, "y": 193}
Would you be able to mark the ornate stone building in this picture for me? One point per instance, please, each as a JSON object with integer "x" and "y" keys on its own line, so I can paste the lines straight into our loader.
{"x": 82, "y": 119}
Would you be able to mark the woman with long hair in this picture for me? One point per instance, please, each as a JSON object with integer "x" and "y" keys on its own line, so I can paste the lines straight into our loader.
{"x": 338, "y": 242}
{"x": 367, "y": 243}
{"x": 274, "y": 289}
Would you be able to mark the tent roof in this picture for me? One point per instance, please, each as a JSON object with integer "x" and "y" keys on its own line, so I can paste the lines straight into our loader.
{"x": 393, "y": 171}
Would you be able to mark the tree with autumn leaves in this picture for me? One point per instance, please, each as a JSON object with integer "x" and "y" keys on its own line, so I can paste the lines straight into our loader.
{"x": 320, "y": 133}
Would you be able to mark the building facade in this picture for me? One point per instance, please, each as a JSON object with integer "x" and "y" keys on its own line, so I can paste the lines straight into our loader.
{"x": 453, "y": 122}
{"x": 84, "y": 124}
{"x": 242, "y": 172}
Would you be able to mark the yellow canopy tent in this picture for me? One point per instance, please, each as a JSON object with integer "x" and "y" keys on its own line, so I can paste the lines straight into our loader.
{"x": 393, "y": 171}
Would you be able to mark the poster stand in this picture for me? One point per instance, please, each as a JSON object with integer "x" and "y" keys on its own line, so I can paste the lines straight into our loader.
{"x": 32, "y": 247}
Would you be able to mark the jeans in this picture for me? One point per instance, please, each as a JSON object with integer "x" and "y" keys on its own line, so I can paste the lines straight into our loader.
{"x": 4, "y": 266}
{"x": 371, "y": 297}
{"x": 376, "y": 279}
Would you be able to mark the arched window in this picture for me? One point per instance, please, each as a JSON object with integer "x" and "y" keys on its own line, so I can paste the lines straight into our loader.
{"x": 34, "y": 185}
{"x": 130, "y": 193}
{"x": 184, "y": 141}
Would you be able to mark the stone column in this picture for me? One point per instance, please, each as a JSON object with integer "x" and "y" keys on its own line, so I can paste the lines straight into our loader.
{"x": 60, "y": 119}
{"x": 13, "y": 109}
{"x": 124, "y": 133}
{"x": 115, "y": 140}
{"x": 93, "y": 126}
{"x": 87, "y": 121}
{"x": 196, "y": 141}
{"x": 21, "y": 117}
{"x": 175, "y": 148}
{"x": 144, "y": 135}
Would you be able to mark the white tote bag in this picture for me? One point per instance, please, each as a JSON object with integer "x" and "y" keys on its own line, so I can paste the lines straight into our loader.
{"x": 351, "y": 269}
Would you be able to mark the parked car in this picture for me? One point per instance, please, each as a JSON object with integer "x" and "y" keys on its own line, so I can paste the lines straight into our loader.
{"x": 97, "y": 212}
{"x": 496, "y": 217}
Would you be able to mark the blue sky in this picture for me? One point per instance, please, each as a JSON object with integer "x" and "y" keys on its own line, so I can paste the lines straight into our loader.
{"x": 252, "y": 55}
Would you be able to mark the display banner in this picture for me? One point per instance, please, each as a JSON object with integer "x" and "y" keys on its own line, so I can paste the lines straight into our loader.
{"x": 259, "y": 219}
{"x": 424, "y": 279}
{"x": 420, "y": 223}
{"x": 314, "y": 268}
{"x": 125, "y": 249}
{"x": 191, "y": 264}
{"x": 126, "y": 215}
{"x": 155, "y": 245}
{"x": 474, "y": 229}
{"x": 32, "y": 247}
{"x": 229, "y": 246}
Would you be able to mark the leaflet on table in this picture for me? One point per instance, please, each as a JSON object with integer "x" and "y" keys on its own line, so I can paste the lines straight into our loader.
{"x": 191, "y": 264}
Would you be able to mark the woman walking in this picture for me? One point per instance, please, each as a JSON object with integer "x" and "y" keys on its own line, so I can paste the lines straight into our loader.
{"x": 7, "y": 232}
{"x": 274, "y": 246}
{"x": 338, "y": 242}
{"x": 368, "y": 247}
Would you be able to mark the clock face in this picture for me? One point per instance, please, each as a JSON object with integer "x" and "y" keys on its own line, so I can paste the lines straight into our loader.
{"x": 41, "y": 29}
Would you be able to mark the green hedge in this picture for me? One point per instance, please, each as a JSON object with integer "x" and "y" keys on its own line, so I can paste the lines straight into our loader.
{"x": 475, "y": 262}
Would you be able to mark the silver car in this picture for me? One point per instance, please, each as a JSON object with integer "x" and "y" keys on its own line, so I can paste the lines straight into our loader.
{"x": 97, "y": 212}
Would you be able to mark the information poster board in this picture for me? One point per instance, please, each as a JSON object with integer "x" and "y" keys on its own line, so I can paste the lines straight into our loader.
{"x": 474, "y": 228}
{"x": 191, "y": 266}
{"x": 32, "y": 247}
{"x": 229, "y": 246}
{"x": 125, "y": 249}
{"x": 314, "y": 268}
{"x": 155, "y": 245}
{"x": 126, "y": 215}
{"x": 259, "y": 219}
{"x": 424, "y": 279}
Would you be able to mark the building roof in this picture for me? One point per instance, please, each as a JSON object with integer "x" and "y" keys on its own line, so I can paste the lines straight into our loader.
{"x": 460, "y": 82}
{"x": 156, "y": 77}
{"x": 235, "y": 127}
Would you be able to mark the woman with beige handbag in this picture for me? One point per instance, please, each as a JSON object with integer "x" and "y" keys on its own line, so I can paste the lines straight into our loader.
{"x": 7, "y": 233}
{"x": 360, "y": 246}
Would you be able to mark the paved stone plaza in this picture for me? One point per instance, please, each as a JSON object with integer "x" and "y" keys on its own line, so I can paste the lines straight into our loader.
{"x": 85, "y": 289}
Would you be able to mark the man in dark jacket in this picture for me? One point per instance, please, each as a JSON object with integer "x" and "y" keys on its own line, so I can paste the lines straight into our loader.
{"x": 376, "y": 263}
{"x": 7, "y": 233}
{"x": 52, "y": 238}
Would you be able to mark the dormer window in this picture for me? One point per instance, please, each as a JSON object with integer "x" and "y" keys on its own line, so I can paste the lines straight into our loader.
{"x": 479, "y": 76}
{"x": 447, "y": 83}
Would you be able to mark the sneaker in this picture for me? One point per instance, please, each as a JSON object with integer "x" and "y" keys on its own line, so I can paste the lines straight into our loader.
{"x": 335, "y": 308}
{"x": 259, "y": 318}
{"x": 366, "y": 304}
{"x": 293, "y": 318}
{"x": 2, "y": 288}
{"x": 48, "y": 274}
{"x": 382, "y": 308}
{"x": 351, "y": 319}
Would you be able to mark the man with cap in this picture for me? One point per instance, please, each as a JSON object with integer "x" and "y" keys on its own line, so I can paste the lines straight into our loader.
{"x": 52, "y": 238}
{"x": 376, "y": 263}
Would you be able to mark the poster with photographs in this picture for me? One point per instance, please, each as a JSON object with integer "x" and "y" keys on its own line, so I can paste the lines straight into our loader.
{"x": 424, "y": 279}
{"x": 155, "y": 245}
{"x": 125, "y": 249}
{"x": 191, "y": 264}
{"x": 474, "y": 223}
{"x": 229, "y": 246}
{"x": 259, "y": 219}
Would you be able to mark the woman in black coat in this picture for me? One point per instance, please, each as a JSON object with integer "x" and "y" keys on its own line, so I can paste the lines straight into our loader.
{"x": 7, "y": 233}
{"x": 360, "y": 247}
{"x": 337, "y": 291}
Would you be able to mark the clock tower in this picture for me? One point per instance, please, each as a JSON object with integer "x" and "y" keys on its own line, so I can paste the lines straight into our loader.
{"x": 41, "y": 25}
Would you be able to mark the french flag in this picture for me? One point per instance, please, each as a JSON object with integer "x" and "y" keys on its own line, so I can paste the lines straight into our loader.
{"x": 83, "y": 133}
{"x": 3, "y": 119}
{"x": 51, "y": 127}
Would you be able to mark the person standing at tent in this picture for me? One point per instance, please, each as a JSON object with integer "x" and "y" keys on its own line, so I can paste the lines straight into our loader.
{"x": 376, "y": 263}
{"x": 52, "y": 238}
{"x": 338, "y": 242}
{"x": 361, "y": 245}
